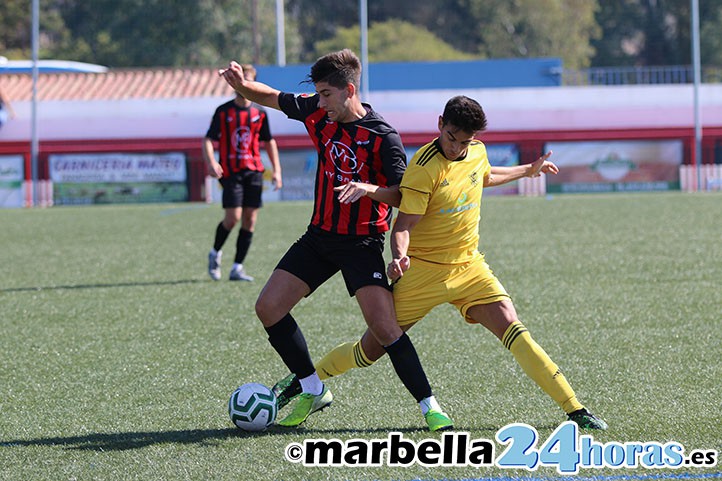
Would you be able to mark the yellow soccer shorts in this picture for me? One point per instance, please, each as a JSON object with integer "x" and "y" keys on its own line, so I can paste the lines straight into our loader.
{"x": 426, "y": 285}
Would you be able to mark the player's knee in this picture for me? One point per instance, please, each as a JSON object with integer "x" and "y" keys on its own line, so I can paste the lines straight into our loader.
{"x": 265, "y": 310}
{"x": 387, "y": 332}
{"x": 229, "y": 223}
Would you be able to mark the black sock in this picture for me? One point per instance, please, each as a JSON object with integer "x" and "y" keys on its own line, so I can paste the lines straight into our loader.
{"x": 287, "y": 339}
{"x": 408, "y": 367}
{"x": 242, "y": 245}
{"x": 221, "y": 236}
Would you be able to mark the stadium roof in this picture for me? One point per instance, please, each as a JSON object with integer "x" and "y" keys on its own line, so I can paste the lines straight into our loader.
{"x": 118, "y": 85}
{"x": 162, "y": 83}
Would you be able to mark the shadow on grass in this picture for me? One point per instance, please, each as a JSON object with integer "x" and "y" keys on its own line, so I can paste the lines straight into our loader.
{"x": 102, "y": 286}
{"x": 125, "y": 441}
{"x": 137, "y": 440}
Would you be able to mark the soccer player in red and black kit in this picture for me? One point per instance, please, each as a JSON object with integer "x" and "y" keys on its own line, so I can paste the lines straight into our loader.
{"x": 360, "y": 164}
{"x": 239, "y": 126}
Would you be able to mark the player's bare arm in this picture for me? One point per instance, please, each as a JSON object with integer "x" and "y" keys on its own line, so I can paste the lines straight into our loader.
{"x": 272, "y": 151}
{"x": 353, "y": 191}
{"x": 214, "y": 168}
{"x": 254, "y": 91}
{"x": 400, "y": 234}
{"x": 503, "y": 175}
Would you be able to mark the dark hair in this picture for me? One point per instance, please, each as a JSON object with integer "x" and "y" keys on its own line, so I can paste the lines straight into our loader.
{"x": 338, "y": 69}
{"x": 464, "y": 113}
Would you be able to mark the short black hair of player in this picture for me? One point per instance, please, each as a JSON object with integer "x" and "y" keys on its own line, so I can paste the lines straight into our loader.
{"x": 464, "y": 113}
{"x": 338, "y": 69}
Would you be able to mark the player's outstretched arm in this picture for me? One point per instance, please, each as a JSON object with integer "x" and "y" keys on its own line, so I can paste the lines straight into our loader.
{"x": 503, "y": 175}
{"x": 254, "y": 91}
{"x": 353, "y": 191}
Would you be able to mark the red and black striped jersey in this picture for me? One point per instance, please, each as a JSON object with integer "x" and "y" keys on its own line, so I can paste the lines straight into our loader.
{"x": 367, "y": 150}
{"x": 238, "y": 131}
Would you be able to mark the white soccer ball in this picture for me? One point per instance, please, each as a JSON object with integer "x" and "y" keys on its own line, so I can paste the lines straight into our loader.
{"x": 252, "y": 407}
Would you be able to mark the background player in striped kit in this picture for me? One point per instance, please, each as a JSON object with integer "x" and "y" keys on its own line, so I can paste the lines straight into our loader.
{"x": 239, "y": 126}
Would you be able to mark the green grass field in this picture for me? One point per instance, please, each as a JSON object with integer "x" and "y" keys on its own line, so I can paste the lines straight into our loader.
{"x": 119, "y": 354}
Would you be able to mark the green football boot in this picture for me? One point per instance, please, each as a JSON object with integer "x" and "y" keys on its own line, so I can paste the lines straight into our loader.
{"x": 286, "y": 389}
{"x": 587, "y": 420}
{"x": 438, "y": 420}
{"x": 307, "y": 404}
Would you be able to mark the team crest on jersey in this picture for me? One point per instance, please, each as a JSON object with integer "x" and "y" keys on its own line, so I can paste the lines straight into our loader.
{"x": 242, "y": 139}
{"x": 343, "y": 157}
{"x": 474, "y": 178}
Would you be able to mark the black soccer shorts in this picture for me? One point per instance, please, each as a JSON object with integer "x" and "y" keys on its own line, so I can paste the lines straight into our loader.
{"x": 242, "y": 189}
{"x": 318, "y": 255}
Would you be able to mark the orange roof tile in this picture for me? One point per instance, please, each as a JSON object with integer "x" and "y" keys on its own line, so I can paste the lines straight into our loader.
{"x": 118, "y": 84}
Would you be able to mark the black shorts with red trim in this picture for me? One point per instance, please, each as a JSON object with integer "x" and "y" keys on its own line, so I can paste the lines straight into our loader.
{"x": 318, "y": 255}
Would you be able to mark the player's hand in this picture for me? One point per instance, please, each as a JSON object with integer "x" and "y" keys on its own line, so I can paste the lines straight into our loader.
{"x": 277, "y": 180}
{"x": 215, "y": 170}
{"x": 397, "y": 267}
{"x": 543, "y": 165}
{"x": 352, "y": 191}
{"x": 233, "y": 75}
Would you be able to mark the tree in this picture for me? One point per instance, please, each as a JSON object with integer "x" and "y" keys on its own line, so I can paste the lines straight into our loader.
{"x": 145, "y": 33}
{"x": 394, "y": 40}
{"x": 534, "y": 28}
{"x": 656, "y": 32}
{"x": 158, "y": 33}
{"x": 710, "y": 36}
{"x": 478, "y": 28}
{"x": 16, "y": 32}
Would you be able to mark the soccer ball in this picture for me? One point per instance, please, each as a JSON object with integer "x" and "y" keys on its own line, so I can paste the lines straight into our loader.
{"x": 252, "y": 407}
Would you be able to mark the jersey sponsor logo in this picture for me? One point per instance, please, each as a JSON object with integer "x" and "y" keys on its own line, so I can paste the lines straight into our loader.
{"x": 378, "y": 275}
{"x": 461, "y": 205}
{"x": 342, "y": 157}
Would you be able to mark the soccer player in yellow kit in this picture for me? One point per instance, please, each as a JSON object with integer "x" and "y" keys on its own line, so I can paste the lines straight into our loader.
{"x": 434, "y": 245}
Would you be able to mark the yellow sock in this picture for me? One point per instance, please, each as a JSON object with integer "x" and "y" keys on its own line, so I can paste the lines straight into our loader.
{"x": 342, "y": 358}
{"x": 537, "y": 364}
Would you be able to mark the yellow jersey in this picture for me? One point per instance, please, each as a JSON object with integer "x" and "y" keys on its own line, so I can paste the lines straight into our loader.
{"x": 448, "y": 195}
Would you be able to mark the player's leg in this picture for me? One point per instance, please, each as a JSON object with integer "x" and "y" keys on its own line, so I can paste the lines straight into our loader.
{"x": 283, "y": 291}
{"x": 350, "y": 355}
{"x": 344, "y": 357}
{"x": 377, "y": 306}
{"x": 252, "y": 191}
{"x": 243, "y": 244}
{"x": 501, "y": 319}
{"x": 482, "y": 299}
{"x": 415, "y": 294}
{"x": 298, "y": 274}
{"x": 231, "y": 201}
